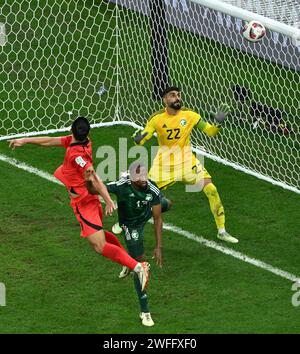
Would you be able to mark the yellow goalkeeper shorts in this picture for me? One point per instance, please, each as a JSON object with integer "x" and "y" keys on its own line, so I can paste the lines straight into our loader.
{"x": 191, "y": 172}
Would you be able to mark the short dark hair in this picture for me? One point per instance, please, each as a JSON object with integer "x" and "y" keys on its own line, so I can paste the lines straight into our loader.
{"x": 169, "y": 89}
{"x": 80, "y": 128}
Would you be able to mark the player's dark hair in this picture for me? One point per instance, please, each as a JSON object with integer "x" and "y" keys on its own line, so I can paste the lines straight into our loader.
{"x": 169, "y": 89}
{"x": 80, "y": 128}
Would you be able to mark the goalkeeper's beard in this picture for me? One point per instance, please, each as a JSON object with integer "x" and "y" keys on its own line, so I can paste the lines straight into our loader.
{"x": 176, "y": 105}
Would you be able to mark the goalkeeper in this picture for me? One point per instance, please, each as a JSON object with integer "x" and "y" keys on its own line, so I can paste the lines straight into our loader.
{"x": 173, "y": 126}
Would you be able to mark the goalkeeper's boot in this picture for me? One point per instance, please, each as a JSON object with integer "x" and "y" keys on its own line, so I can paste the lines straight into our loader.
{"x": 116, "y": 229}
{"x": 124, "y": 272}
{"x": 224, "y": 236}
{"x": 146, "y": 319}
{"x": 143, "y": 275}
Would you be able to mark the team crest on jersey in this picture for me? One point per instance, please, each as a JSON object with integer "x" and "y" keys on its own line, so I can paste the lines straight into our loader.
{"x": 135, "y": 234}
{"x": 183, "y": 122}
{"x": 80, "y": 161}
{"x": 149, "y": 197}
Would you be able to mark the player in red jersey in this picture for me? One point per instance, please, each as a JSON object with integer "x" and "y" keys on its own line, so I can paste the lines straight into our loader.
{"x": 75, "y": 173}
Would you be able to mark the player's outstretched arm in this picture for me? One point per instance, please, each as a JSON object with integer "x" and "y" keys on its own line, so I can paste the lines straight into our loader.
{"x": 218, "y": 118}
{"x": 158, "y": 224}
{"x": 207, "y": 128}
{"x": 42, "y": 141}
{"x": 96, "y": 186}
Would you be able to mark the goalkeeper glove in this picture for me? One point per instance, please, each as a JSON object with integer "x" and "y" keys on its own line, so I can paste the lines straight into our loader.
{"x": 221, "y": 114}
{"x": 137, "y": 136}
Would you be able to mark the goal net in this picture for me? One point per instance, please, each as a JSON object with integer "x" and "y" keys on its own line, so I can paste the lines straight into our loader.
{"x": 206, "y": 55}
{"x": 109, "y": 60}
{"x": 58, "y": 60}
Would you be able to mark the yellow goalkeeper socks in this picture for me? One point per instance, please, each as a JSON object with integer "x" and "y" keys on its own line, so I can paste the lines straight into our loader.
{"x": 216, "y": 206}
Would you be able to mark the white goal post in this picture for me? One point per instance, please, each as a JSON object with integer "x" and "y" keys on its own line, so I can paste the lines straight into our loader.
{"x": 237, "y": 12}
{"x": 110, "y": 59}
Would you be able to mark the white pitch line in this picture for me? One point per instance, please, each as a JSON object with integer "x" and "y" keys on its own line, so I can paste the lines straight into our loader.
{"x": 231, "y": 252}
{"x": 30, "y": 169}
{"x": 207, "y": 243}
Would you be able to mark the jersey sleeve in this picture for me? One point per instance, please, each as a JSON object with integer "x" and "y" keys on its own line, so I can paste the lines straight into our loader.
{"x": 65, "y": 141}
{"x": 156, "y": 193}
{"x": 80, "y": 163}
{"x": 210, "y": 130}
{"x": 156, "y": 199}
{"x": 195, "y": 118}
{"x": 112, "y": 187}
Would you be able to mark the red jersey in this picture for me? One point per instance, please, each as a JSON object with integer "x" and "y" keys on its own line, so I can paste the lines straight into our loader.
{"x": 77, "y": 159}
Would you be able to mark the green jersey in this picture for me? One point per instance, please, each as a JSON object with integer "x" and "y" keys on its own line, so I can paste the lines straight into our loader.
{"x": 134, "y": 205}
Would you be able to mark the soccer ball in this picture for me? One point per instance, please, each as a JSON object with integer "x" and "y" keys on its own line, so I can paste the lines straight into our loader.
{"x": 254, "y": 31}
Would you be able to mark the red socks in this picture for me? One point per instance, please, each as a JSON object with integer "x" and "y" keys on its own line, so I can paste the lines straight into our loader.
{"x": 117, "y": 253}
{"x": 111, "y": 238}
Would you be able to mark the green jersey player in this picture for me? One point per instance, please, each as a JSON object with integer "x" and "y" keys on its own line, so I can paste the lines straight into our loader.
{"x": 138, "y": 200}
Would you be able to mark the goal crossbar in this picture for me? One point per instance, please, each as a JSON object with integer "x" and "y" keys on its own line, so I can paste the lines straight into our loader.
{"x": 246, "y": 15}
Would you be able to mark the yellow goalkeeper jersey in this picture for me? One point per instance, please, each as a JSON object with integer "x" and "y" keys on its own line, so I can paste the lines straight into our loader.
{"x": 173, "y": 134}
{"x": 172, "y": 129}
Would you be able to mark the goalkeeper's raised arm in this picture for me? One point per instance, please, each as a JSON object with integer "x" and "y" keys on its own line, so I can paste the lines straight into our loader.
{"x": 218, "y": 119}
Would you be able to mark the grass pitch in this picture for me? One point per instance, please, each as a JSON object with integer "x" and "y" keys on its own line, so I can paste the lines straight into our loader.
{"x": 56, "y": 284}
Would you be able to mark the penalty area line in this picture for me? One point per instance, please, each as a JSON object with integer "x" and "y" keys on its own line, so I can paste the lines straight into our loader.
{"x": 203, "y": 241}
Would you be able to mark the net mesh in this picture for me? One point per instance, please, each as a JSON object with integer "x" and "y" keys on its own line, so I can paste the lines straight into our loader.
{"x": 57, "y": 57}
{"x": 212, "y": 63}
